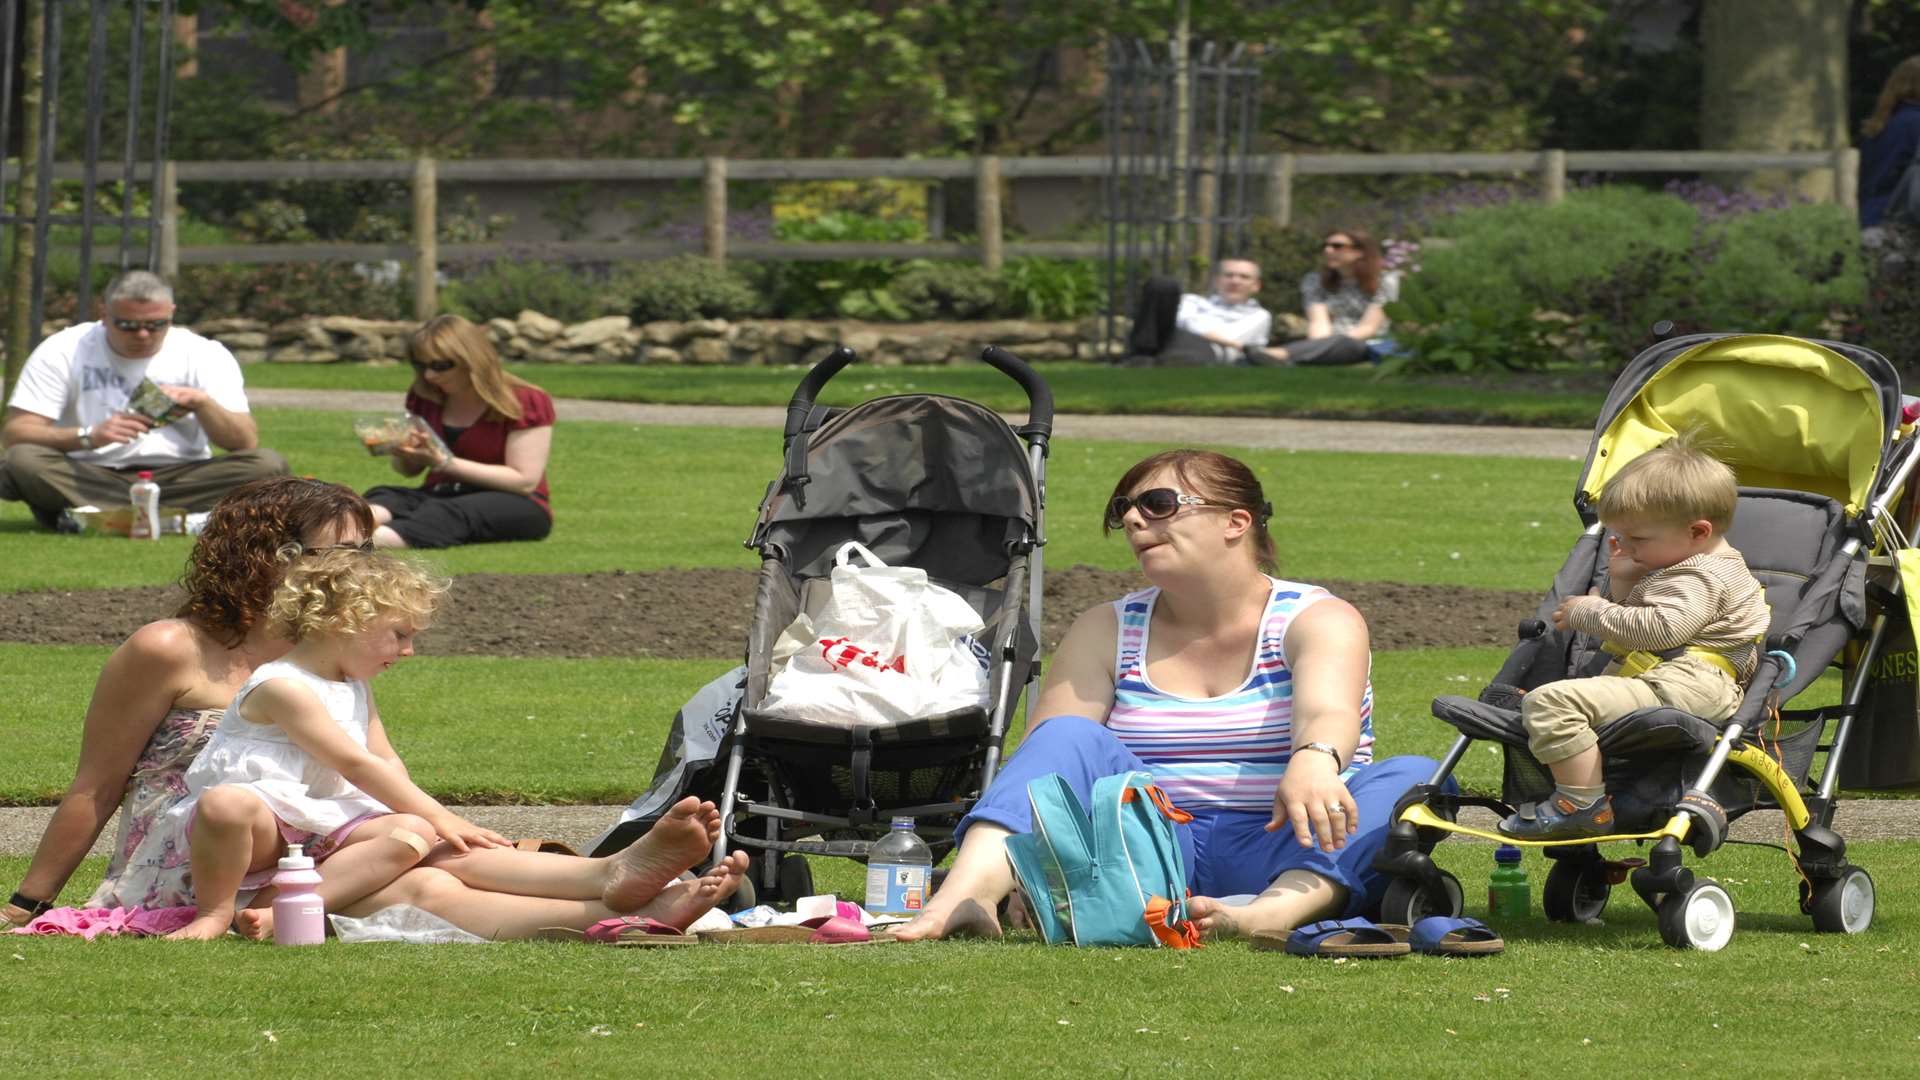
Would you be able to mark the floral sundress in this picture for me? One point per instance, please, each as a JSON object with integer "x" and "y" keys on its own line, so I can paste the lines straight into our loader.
{"x": 159, "y": 781}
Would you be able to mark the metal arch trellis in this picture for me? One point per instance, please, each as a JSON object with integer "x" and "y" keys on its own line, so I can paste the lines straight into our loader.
{"x": 41, "y": 215}
{"x": 1171, "y": 209}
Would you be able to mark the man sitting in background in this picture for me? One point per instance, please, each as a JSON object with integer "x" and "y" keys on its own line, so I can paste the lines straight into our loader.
{"x": 1176, "y": 329}
{"x": 78, "y": 433}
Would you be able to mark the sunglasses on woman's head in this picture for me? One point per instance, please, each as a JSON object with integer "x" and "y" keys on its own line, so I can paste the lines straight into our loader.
{"x": 438, "y": 367}
{"x": 364, "y": 547}
{"x": 1155, "y": 504}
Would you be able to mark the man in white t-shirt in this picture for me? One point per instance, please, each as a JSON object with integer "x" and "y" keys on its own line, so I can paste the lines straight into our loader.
{"x": 1176, "y": 329}
{"x": 73, "y": 439}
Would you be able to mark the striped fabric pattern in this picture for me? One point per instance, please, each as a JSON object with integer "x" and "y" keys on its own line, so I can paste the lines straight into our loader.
{"x": 1225, "y": 752}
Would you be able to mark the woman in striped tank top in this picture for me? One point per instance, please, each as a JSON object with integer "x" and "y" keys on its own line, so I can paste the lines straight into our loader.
{"x": 1246, "y": 696}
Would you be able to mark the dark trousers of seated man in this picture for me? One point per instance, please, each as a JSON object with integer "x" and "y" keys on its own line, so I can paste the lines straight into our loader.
{"x": 49, "y": 481}
{"x": 1156, "y": 340}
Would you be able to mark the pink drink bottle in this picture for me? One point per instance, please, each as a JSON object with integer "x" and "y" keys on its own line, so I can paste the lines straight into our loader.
{"x": 299, "y": 915}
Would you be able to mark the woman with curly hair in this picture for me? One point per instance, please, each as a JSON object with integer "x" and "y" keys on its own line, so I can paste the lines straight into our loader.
{"x": 164, "y": 689}
{"x": 488, "y": 478}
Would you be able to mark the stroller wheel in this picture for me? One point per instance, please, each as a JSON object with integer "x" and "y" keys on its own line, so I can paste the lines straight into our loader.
{"x": 744, "y": 896}
{"x": 1576, "y": 891}
{"x": 1408, "y": 900}
{"x": 796, "y": 877}
{"x": 1842, "y": 905}
{"x": 1700, "y": 918}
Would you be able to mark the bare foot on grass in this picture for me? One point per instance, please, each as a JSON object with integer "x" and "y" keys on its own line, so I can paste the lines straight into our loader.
{"x": 679, "y": 840}
{"x": 682, "y": 902}
{"x": 961, "y": 917}
{"x": 1215, "y": 919}
{"x": 204, "y": 927}
{"x": 255, "y": 923}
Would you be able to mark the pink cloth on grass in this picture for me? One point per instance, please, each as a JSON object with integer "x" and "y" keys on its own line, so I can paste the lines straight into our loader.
{"x": 90, "y": 923}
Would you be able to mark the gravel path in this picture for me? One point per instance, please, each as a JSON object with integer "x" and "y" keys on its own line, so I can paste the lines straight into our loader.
{"x": 1252, "y": 432}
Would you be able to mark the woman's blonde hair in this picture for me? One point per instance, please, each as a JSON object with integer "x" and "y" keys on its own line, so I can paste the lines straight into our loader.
{"x": 450, "y": 338}
{"x": 1674, "y": 483}
{"x": 341, "y": 591}
{"x": 1902, "y": 86}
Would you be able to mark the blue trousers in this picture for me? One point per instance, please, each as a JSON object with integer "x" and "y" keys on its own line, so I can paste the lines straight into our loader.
{"x": 1227, "y": 852}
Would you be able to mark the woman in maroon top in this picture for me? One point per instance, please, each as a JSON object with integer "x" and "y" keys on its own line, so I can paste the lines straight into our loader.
{"x": 491, "y": 484}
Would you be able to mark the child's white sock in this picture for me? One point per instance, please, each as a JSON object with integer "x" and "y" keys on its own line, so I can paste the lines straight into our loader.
{"x": 1580, "y": 796}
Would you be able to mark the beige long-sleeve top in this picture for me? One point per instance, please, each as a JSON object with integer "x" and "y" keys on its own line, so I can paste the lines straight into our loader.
{"x": 1710, "y": 600}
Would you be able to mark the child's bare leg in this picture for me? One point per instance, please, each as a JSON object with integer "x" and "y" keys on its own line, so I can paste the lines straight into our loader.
{"x": 622, "y": 881}
{"x": 374, "y": 854}
{"x": 1295, "y": 898}
{"x": 968, "y": 901}
{"x": 233, "y": 835}
{"x": 504, "y": 916}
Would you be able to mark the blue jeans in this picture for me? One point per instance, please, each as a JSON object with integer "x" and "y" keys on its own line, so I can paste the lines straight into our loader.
{"x": 1227, "y": 852}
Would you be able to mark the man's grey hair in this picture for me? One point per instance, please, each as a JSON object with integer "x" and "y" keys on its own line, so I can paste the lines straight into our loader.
{"x": 141, "y": 286}
{"x": 1222, "y": 264}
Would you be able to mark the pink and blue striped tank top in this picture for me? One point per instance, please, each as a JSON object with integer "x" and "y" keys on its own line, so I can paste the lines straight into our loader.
{"x": 1226, "y": 752}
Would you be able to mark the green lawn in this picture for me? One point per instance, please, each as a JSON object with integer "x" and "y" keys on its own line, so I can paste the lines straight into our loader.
{"x": 1347, "y": 393}
{"x": 647, "y": 498}
{"x": 1563, "y": 1001}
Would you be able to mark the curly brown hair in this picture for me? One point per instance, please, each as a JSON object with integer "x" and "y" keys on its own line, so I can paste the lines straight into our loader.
{"x": 239, "y": 559}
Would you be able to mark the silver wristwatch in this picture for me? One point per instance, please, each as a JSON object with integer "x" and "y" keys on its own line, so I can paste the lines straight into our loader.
{"x": 85, "y": 435}
{"x": 1325, "y": 748}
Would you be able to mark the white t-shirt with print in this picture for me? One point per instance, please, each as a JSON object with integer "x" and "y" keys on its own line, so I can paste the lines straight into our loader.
{"x": 75, "y": 379}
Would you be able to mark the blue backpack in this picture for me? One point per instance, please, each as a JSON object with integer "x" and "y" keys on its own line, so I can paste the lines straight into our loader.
{"x": 1114, "y": 876}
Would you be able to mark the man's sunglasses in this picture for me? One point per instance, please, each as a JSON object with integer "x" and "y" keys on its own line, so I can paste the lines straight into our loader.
{"x": 438, "y": 367}
{"x": 1156, "y": 504}
{"x": 134, "y": 326}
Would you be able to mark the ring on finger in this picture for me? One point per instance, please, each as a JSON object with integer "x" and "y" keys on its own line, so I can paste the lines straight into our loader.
{"x": 1336, "y": 808}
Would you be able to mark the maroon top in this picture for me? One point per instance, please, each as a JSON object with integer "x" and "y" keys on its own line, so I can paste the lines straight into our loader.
{"x": 486, "y": 441}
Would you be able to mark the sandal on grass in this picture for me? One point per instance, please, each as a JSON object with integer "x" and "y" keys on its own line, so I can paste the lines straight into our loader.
{"x": 825, "y": 930}
{"x": 622, "y": 930}
{"x": 1356, "y": 937}
{"x": 1441, "y": 935}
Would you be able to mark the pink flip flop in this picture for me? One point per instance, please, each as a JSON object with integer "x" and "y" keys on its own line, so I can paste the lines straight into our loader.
{"x": 824, "y": 930}
{"x": 637, "y": 930}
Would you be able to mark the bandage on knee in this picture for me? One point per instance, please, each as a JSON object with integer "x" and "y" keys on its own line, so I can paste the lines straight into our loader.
{"x": 412, "y": 839}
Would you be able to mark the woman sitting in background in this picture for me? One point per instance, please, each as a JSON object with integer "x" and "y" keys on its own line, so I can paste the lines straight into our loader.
{"x": 490, "y": 483}
{"x": 1345, "y": 304}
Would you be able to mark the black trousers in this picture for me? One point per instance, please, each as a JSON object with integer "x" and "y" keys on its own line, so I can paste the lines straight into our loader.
{"x": 451, "y": 516}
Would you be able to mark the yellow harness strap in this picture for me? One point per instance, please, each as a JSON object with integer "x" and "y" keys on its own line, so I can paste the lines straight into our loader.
{"x": 1637, "y": 662}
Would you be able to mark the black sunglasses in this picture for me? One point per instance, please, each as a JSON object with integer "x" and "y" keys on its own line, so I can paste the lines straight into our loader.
{"x": 436, "y": 366}
{"x": 364, "y": 547}
{"x": 1156, "y": 504}
{"x": 134, "y": 326}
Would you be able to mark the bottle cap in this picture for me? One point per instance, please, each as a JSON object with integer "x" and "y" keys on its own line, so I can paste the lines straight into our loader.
{"x": 1506, "y": 853}
{"x": 903, "y": 823}
{"x": 295, "y": 859}
{"x": 146, "y": 474}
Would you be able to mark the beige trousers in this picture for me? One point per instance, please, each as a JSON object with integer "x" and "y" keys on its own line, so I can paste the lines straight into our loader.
{"x": 1560, "y": 716}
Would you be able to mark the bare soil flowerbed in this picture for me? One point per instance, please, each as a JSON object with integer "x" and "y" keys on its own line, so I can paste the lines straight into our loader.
{"x": 694, "y": 614}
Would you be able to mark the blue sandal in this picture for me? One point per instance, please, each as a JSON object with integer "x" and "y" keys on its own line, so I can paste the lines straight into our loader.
{"x": 1334, "y": 937}
{"x": 1442, "y": 935}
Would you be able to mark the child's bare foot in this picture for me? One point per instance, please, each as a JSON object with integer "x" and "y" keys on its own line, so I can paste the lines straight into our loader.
{"x": 677, "y": 841}
{"x": 963, "y": 916}
{"x": 682, "y": 902}
{"x": 255, "y": 923}
{"x": 207, "y": 926}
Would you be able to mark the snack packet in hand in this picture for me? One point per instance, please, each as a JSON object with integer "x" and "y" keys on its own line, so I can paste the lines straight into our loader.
{"x": 150, "y": 401}
{"x": 391, "y": 432}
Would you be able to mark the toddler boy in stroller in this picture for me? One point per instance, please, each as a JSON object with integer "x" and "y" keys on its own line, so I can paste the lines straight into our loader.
{"x": 1684, "y": 618}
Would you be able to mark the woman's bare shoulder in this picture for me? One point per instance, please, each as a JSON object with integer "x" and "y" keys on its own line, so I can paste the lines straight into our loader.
{"x": 166, "y": 643}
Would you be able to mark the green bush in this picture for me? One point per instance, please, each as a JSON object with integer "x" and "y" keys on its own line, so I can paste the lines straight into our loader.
{"x": 947, "y": 291}
{"x": 1052, "y": 288}
{"x": 848, "y": 288}
{"x": 504, "y": 288}
{"x": 681, "y": 288}
{"x": 281, "y": 291}
{"x": 1783, "y": 271}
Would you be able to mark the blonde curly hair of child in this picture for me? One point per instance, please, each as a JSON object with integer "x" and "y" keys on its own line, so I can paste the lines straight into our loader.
{"x": 342, "y": 591}
{"x": 1673, "y": 483}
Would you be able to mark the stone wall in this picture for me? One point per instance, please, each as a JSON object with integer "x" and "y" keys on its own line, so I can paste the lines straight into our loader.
{"x": 616, "y": 339}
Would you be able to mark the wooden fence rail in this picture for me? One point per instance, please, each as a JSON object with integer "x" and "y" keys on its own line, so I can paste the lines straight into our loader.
{"x": 424, "y": 175}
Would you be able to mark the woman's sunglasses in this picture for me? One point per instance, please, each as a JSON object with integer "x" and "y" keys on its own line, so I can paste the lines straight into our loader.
{"x": 1335, "y": 245}
{"x": 1156, "y": 504}
{"x": 438, "y": 367}
{"x": 364, "y": 547}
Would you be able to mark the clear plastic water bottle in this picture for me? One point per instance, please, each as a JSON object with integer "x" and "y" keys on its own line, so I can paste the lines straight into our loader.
{"x": 299, "y": 915}
{"x": 1508, "y": 894}
{"x": 146, "y": 508}
{"x": 899, "y": 871}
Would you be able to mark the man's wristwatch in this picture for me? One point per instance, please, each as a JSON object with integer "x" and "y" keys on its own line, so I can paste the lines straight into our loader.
{"x": 85, "y": 435}
{"x": 1325, "y": 748}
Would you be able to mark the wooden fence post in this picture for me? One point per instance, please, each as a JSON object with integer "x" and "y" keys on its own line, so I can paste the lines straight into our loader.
{"x": 426, "y": 241}
{"x": 1553, "y": 176}
{"x": 1205, "y": 196}
{"x": 714, "y": 203}
{"x": 1280, "y": 190}
{"x": 1846, "y": 177}
{"x": 986, "y": 183}
{"x": 167, "y": 251}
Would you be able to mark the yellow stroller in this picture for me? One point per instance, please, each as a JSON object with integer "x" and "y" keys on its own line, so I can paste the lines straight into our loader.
{"x": 1813, "y": 432}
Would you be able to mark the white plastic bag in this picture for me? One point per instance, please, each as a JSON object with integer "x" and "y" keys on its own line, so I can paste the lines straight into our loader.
{"x": 889, "y": 646}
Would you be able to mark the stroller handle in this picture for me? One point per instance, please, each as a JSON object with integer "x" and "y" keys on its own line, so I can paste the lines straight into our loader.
{"x": 1039, "y": 396}
{"x": 800, "y": 406}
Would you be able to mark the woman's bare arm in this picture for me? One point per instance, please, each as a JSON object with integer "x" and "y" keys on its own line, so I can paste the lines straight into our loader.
{"x": 1079, "y": 679}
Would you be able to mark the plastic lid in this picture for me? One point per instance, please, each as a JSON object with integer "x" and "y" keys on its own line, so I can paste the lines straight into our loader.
{"x": 295, "y": 859}
{"x": 1506, "y": 853}
{"x": 903, "y": 823}
{"x": 146, "y": 474}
